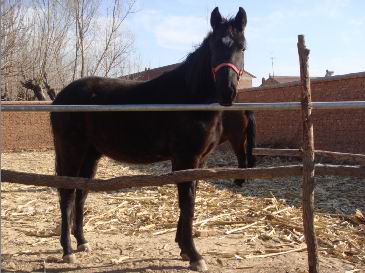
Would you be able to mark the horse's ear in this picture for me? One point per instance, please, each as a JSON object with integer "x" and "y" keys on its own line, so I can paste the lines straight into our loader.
{"x": 241, "y": 19}
{"x": 215, "y": 18}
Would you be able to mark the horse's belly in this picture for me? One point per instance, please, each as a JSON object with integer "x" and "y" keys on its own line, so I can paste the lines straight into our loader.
{"x": 133, "y": 155}
{"x": 132, "y": 158}
{"x": 132, "y": 142}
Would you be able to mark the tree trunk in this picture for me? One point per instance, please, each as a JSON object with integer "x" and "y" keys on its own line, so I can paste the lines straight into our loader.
{"x": 35, "y": 87}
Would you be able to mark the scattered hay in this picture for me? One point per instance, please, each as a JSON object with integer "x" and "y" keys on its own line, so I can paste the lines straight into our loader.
{"x": 261, "y": 210}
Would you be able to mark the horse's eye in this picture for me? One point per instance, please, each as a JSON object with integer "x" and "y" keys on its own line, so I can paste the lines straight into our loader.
{"x": 242, "y": 48}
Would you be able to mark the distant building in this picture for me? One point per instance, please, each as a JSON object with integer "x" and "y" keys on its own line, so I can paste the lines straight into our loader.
{"x": 275, "y": 80}
{"x": 329, "y": 73}
{"x": 149, "y": 74}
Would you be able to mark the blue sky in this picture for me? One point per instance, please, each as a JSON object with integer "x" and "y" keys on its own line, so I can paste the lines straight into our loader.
{"x": 166, "y": 31}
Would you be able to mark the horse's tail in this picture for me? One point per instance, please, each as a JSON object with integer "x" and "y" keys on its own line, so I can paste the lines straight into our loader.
{"x": 251, "y": 138}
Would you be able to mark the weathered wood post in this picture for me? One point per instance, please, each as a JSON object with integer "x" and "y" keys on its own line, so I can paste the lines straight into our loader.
{"x": 308, "y": 159}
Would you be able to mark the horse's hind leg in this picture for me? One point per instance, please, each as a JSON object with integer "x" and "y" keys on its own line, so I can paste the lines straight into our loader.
{"x": 67, "y": 198}
{"x": 82, "y": 244}
{"x": 69, "y": 160}
{"x": 87, "y": 170}
{"x": 238, "y": 146}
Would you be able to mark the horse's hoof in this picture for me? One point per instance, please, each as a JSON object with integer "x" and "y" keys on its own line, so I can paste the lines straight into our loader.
{"x": 184, "y": 256}
{"x": 199, "y": 266}
{"x": 70, "y": 259}
{"x": 84, "y": 248}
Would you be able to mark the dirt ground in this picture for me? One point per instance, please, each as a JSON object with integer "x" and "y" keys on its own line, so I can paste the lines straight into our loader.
{"x": 132, "y": 230}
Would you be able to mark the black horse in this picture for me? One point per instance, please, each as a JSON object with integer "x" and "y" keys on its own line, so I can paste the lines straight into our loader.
{"x": 239, "y": 129}
{"x": 209, "y": 74}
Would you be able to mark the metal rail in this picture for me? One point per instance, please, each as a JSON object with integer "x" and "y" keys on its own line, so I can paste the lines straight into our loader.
{"x": 183, "y": 107}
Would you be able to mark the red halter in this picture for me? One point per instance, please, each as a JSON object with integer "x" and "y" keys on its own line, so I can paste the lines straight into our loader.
{"x": 238, "y": 71}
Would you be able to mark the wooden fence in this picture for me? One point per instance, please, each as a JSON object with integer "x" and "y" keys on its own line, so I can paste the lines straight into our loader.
{"x": 308, "y": 169}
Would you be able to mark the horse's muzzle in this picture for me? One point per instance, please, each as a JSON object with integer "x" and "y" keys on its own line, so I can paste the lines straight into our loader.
{"x": 225, "y": 103}
{"x": 228, "y": 97}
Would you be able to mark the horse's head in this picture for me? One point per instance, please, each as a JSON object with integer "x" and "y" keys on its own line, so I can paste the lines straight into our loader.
{"x": 227, "y": 46}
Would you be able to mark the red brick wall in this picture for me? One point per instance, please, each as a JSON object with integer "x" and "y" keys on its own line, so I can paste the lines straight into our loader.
{"x": 340, "y": 130}
{"x": 25, "y": 131}
{"x": 335, "y": 130}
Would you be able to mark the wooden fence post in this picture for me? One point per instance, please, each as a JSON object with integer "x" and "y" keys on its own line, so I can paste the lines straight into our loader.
{"x": 308, "y": 159}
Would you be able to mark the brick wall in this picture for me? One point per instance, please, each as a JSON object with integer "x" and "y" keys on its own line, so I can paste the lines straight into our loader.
{"x": 335, "y": 130}
{"x": 340, "y": 130}
{"x": 25, "y": 131}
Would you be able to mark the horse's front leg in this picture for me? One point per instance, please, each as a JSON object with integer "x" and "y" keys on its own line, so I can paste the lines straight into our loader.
{"x": 186, "y": 193}
{"x": 184, "y": 234}
{"x": 178, "y": 238}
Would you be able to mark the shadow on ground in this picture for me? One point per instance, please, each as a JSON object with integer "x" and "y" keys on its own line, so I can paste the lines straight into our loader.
{"x": 332, "y": 194}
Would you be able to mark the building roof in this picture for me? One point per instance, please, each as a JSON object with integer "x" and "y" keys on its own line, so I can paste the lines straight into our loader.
{"x": 274, "y": 80}
{"x": 284, "y": 79}
{"x": 149, "y": 74}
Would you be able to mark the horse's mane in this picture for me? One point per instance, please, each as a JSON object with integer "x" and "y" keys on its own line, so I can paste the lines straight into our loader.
{"x": 194, "y": 75}
{"x": 197, "y": 68}
{"x": 203, "y": 48}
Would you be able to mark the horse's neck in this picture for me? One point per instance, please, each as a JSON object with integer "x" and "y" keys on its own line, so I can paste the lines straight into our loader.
{"x": 191, "y": 82}
{"x": 184, "y": 85}
{"x": 170, "y": 87}
{"x": 198, "y": 75}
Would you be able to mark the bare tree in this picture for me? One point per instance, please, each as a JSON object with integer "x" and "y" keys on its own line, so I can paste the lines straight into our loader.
{"x": 36, "y": 87}
{"x": 32, "y": 38}
{"x": 12, "y": 35}
{"x": 117, "y": 45}
{"x": 83, "y": 13}
{"x": 48, "y": 43}
{"x": 43, "y": 63}
{"x": 97, "y": 54}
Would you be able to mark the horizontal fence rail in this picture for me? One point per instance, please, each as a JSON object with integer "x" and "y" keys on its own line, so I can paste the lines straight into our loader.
{"x": 358, "y": 158}
{"x": 125, "y": 182}
{"x": 181, "y": 107}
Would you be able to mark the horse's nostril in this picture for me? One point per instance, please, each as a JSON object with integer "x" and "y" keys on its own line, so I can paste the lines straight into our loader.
{"x": 234, "y": 94}
{"x": 234, "y": 91}
{"x": 233, "y": 86}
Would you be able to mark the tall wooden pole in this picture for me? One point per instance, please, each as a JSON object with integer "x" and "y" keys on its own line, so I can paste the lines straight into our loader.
{"x": 308, "y": 159}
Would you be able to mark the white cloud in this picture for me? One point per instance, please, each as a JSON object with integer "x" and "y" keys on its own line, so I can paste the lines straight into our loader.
{"x": 333, "y": 8}
{"x": 180, "y": 31}
{"x": 357, "y": 22}
{"x": 175, "y": 32}
{"x": 259, "y": 27}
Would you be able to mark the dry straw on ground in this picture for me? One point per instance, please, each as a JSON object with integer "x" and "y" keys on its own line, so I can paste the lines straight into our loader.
{"x": 265, "y": 211}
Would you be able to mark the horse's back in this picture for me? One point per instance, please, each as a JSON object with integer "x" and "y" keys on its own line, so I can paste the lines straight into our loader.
{"x": 94, "y": 89}
{"x": 137, "y": 137}
{"x": 125, "y": 136}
